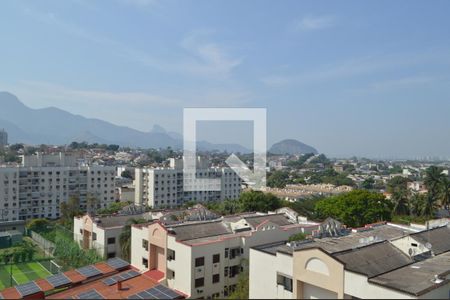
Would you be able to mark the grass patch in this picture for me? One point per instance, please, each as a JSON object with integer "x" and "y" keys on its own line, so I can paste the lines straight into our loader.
{"x": 22, "y": 273}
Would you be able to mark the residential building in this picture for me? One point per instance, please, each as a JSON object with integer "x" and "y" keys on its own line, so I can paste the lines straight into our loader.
{"x": 379, "y": 261}
{"x": 42, "y": 182}
{"x": 3, "y": 138}
{"x": 113, "y": 279}
{"x": 164, "y": 187}
{"x": 103, "y": 233}
{"x": 204, "y": 259}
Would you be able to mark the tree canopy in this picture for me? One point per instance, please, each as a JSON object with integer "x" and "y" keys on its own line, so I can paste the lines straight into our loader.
{"x": 356, "y": 208}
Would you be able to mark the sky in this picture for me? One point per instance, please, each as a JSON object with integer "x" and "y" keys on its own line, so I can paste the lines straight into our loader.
{"x": 349, "y": 78}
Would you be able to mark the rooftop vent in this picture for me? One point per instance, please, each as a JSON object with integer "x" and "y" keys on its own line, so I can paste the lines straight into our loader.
{"x": 437, "y": 279}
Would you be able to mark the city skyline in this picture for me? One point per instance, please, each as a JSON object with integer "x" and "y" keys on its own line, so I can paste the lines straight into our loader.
{"x": 348, "y": 79}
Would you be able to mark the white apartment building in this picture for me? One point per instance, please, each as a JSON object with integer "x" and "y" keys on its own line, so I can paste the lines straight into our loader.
{"x": 38, "y": 187}
{"x": 163, "y": 187}
{"x": 378, "y": 262}
{"x": 3, "y": 138}
{"x": 204, "y": 259}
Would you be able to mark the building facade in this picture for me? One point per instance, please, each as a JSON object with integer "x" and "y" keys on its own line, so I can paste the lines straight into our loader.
{"x": 374, "y": 263}
{"x": 164, "y": 187}
{"x": 3, "y": 138}
{"x": 204, "y": 259}
{"x": 37, "y": 188}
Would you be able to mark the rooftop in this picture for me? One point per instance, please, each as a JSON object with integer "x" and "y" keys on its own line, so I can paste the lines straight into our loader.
{"x": 368, "y": 261}
{"x": 100, "y": 281}
{"x": 417, "y": 278}
{"x": 437, "y": 238}
{"x": 346, "y": 241}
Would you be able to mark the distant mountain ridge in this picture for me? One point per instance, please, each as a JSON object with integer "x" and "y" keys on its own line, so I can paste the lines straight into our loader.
{"x": 292, "y": 147}
{"x": 55, "y": 126}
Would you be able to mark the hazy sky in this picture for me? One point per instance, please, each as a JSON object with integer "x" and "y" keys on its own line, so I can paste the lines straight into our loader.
{"x": 353, "y": 77}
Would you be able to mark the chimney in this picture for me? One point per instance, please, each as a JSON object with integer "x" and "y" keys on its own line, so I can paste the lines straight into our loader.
{"x": 119, "y": 285}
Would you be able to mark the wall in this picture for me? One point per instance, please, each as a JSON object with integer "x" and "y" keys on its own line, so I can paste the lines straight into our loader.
{"x": 316, "y": 268}
{"x": 357, "y": 285}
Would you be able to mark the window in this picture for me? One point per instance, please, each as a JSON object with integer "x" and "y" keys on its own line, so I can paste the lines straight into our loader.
{"x": 216, "y": 278}
{"x": 94, "y": 236}
{"x": 145, "y": 244}
{"x": 199, "y": 261}
{"x": 170, "y": 254}
{"x": 145, "y": 262}
{"x": 226, "y": 271}
{"x": 286, "y": 282}
{"x": 226, "y": 252}
{"x": 199, "y": 282}
{"x": 111, "y": 240}
{"x": 234, "y": 270}
{"x": 235, "y": 252}
{"x": 112, "y": 254}
{"x": 216, "y": 258}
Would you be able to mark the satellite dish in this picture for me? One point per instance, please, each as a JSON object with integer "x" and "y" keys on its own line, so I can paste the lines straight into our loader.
{"x": 428, "y": 246}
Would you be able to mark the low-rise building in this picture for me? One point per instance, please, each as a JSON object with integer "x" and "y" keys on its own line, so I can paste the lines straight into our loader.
{"x": 102, "y": 233}
{"x": 381, "y": 261}
{"x": 204, "y": 259}
{"x": 113, "y": 279}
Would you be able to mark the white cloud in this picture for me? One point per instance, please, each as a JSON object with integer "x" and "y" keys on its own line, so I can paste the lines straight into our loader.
{"x": 201, "y": 56}
{"x": 309, "y": 23}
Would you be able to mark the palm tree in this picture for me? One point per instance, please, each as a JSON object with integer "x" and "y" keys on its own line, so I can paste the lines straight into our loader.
{"x": 125, "y": 237}
{"x": 417, "y": 204}
{"x": 401, "y": 202}
{"x": 445, "y": 192}
{"x": 433, "y": 181}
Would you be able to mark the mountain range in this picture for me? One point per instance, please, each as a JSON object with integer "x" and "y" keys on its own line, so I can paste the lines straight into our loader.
{"x": 55, "y": 126}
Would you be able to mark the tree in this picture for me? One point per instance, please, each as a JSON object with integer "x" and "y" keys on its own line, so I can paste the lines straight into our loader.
{"x": 259, "y": 201}
{"x": 69, "y": 210}
{"x": 368, "y": 183}
{"x": 297, "y": 237}
{"x": 433, "y": 180}
{"x": 445, "y": 192}
{"x": 125, "y": 237}
{"x": 356, "y": 208}
{"x": 242, "y": 287}
{"x": 92, "y": 203}
{"x": 126, "y": 174}
{"x": 113, "y": 147}
{"x": 398, "y": 187}
{"x": 38, "y": 225}
{"x": 278, "y": 179}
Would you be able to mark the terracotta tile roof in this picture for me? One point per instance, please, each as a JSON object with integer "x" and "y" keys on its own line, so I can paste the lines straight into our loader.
{"x": 129, "y": 287}
{"x": 44, "y": 285}
{"x": 74, "y": 276}
{"x": 104, "y": 268}
{"x": 11, "y": 293}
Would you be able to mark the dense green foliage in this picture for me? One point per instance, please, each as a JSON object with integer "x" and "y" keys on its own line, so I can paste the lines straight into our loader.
{"x": 69, "y": 254}
{"x": 24, "y": 251}
{"x": 113, "y": 208}
{"x": 297, "y": 237}
{"x": 243, "y": 285}
{"x": 125, "y": 238}
{"x": 247, "y": 202}
{"x": 356, "y": 208}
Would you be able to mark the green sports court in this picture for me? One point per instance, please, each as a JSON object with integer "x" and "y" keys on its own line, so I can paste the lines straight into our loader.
{"x": 21, "y": 273}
